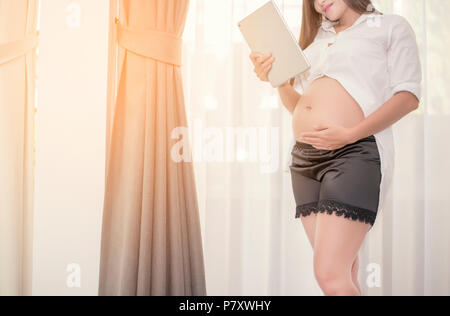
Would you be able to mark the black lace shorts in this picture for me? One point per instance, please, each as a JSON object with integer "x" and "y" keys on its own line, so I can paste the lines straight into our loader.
{"x": 344, "y": 181}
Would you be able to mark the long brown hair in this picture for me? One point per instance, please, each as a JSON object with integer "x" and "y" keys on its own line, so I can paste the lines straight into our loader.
{"x": 312, "y": 20}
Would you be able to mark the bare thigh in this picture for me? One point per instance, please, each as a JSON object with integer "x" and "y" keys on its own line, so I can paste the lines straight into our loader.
{"x": 338, "y": 240}
{"x": 309, "y": 224}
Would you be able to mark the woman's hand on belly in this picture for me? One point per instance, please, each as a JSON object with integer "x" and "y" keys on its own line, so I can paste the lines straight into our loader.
{"x": 328, "y": 137}
{"x": 326, "y": 114}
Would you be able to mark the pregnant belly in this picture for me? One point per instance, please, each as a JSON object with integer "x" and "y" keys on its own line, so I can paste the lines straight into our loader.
{"x": 325, "y": 101}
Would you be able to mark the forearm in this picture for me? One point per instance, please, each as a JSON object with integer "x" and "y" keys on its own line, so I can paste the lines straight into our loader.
{"x": 390, "y": 112}
{"x": 288, "y": 96}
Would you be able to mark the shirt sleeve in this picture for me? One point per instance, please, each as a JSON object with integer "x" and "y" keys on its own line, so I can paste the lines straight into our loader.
{"x": 297, "y": 85}
{"x": 404, "y": 67}
{"x": 301, "y": 78}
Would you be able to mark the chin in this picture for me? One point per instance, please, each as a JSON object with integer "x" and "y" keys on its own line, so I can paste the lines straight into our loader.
{"x": 335, "y": 13}
{"x": 333, "y": 18}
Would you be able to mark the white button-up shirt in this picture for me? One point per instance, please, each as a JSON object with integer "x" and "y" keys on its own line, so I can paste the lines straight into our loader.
{"x": 373, "y": 59}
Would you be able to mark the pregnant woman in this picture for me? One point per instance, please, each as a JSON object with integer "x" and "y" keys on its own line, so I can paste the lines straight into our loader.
{"x": 365, "y": 76}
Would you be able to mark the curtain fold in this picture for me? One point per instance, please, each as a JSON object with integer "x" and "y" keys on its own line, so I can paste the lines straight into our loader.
{"x": 18, "y": 42}
{"x": 151, "y": 238}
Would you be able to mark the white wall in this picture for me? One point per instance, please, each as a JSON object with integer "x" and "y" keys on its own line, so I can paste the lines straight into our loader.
{"x": 70, "y": 157}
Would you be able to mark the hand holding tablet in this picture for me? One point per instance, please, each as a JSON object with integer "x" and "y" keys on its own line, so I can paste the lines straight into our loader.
{"x": 263, "y": 64}
{"x": 266, "y": 32}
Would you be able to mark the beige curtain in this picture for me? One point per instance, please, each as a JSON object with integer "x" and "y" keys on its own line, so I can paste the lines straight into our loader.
{"x": 151, "y": 239}
{"x": 18, "y": 40}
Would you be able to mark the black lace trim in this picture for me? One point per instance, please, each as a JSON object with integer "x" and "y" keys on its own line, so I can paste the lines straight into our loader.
{"x": 339, "y": 208}
{"x": 306, "y": 209}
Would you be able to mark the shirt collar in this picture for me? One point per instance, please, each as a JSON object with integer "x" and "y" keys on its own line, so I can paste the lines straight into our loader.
{"x": 328, "y": 25}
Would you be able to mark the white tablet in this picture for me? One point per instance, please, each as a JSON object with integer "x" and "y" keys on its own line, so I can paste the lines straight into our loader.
{"x": 266, "y": 31}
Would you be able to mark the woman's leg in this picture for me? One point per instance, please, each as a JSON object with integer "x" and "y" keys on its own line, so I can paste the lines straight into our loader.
{"x": 309, "y": 224}
{"x": 355, "y": 269}
{"x": 336, "y": 246}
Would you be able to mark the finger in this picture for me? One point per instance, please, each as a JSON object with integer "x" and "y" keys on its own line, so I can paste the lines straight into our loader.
{"x": 261, "y": 65}
{"x": 264, "y": 58}
{"x": 263, "y": 69}
{"x": 320, "y": 146}
{"x": 268, "y": 62}
{"x": 313, "y": 143}
{"x": 321, "y": 128}
{"x": 254, "y": 56}
{"x": 311, "y": 134}
{"x": 313, "y": 138}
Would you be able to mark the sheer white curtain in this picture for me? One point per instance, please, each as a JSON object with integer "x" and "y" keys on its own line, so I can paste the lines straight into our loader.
{"x": 253, "y": 244}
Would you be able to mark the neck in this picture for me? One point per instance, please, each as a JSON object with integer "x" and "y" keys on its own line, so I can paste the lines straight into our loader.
{"x": 348, "y": 18}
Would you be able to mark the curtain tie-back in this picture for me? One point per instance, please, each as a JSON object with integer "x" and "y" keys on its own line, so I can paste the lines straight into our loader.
{"x": 162, "y": 46}
{"x": 12, "y": 50}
